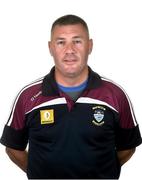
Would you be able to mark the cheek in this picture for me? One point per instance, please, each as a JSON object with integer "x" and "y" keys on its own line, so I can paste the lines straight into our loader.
{"x": 57, "y": 57}
{"x": 84, "y": 53}
{"x": 55, "y": 53}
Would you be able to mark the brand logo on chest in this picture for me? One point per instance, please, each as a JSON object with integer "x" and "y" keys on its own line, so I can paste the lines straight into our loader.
{"x": 47, "y": 116}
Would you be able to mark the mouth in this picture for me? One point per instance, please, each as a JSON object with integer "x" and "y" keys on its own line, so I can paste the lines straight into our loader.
{"x": 70, "y": 60}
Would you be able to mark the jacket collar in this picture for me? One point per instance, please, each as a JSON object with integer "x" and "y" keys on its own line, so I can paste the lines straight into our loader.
{"x": 50, "y": 88}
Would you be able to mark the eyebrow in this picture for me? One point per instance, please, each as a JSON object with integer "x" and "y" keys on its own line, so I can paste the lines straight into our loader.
{"x": 78, "y": 37}
{"x": 59, "y": 38}
{"x": 74, "y": 37}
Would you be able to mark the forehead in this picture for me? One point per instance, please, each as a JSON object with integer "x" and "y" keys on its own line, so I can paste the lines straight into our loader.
{"x": 69, "y": 30}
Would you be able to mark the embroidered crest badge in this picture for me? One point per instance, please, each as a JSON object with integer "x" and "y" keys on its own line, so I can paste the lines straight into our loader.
{"x": 99, "y": 112}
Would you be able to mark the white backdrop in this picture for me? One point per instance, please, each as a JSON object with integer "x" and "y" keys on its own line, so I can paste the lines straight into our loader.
{"x": 115, "y": 26}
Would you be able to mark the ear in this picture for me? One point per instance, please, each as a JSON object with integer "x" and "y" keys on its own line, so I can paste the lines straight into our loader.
{"x": 50, "y": 47}
{"x": 90, "y": 45}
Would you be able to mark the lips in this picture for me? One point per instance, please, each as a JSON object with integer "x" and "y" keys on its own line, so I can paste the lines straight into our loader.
{"x": 70, "y": 58}
{"x": 70, "y": 61}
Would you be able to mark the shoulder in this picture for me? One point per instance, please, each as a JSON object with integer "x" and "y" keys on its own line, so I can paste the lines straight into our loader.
{"x": 113, "y": 87}
{"x": 117, "y": 94}
{"x": 114, "y": 92}
{"x": 31, "y": 90}
{"x": 105, "y": 85}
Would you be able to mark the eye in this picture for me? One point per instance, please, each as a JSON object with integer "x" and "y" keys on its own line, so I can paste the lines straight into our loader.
{"x": 77, "y": 41}
{"x": 60, "y": 42}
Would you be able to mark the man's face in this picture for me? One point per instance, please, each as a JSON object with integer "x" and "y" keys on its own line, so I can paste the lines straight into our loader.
{"x": 70, "y": 47}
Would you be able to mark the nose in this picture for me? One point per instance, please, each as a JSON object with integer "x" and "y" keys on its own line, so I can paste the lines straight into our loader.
{"x": 70, "y": 48}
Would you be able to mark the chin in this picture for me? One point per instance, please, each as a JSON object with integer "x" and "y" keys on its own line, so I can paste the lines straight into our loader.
{"x": 71, "y": 73}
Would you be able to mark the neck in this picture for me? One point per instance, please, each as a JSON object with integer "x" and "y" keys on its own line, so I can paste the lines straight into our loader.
{"x": 69, "y": 81}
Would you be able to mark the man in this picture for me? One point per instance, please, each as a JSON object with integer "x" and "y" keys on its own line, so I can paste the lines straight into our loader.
{"x": 77, "y": 124}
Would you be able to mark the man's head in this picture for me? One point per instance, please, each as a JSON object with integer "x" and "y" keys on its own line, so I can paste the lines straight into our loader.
{"x": 70, "y": 46}
{"x": 69, "y": 20}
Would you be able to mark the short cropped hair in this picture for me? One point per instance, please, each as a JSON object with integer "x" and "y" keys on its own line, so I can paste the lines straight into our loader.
{"x": 69, "y": 20}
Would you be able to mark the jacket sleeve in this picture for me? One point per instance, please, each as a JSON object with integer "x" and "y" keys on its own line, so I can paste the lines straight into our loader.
{"x": 15, "y": 134}
{"x": 128, "y": 133}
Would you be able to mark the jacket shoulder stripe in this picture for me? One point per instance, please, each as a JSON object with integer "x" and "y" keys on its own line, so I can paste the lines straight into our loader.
{"x": 128, "y": 99}
{"x": 38, "y": 81}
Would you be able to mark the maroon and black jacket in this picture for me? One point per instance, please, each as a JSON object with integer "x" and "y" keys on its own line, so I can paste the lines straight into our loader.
{"x": 72, "y": 140}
